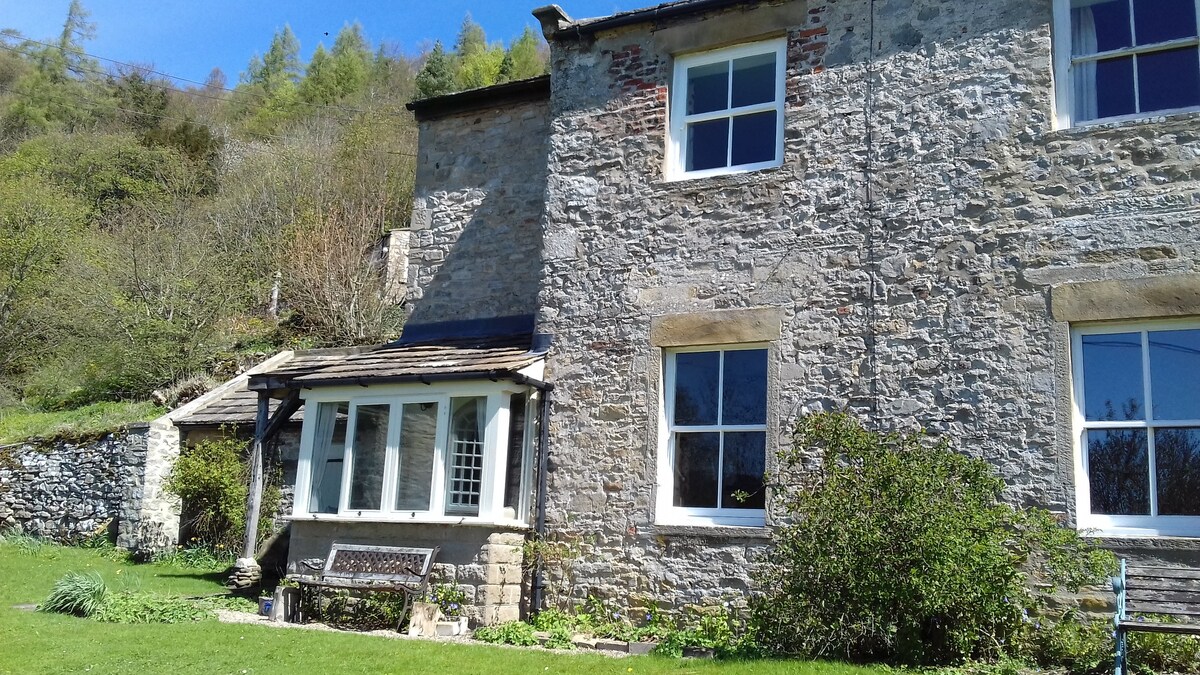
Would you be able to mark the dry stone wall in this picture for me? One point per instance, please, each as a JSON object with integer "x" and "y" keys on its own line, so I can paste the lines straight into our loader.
{"x": 925, "y": 209}
{"x": 66, "y": 491}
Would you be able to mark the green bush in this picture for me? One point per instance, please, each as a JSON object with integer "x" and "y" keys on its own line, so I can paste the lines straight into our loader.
{"x": 79, "y": 594}
{"x": 211, "y": 479}
{"x": 1151, "y": 653}
{"x": 512, "y": 633}
{"x": 898, "y": 549}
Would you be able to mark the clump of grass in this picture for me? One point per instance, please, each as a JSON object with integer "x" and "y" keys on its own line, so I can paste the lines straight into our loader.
{"x": 27, "y": 544}
{"x": 18, "y": 425}
{"x": 76, "y": 593}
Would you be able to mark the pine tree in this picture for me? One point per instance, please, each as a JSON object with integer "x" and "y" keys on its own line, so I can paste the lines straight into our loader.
{"x": 320, "y": 81}
{"x": 437, "y": 75}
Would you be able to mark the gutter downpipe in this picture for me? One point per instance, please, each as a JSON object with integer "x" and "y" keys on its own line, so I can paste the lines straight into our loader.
{"x": 539, "y": 528}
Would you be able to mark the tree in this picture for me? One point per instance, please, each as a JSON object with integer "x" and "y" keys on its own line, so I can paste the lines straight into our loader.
{"x": 320, "y": 81}
{"x": 142, "y": 103}
{"x": 351, "y": 60}
{"x": 524, "y": 58}
{"x": 279, "y": 66}
{"x": 437, "y": 76}
{"x": 478, "y": 64}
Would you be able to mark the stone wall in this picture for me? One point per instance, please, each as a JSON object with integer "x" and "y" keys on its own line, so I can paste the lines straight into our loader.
{"x": 925, "y": 209}
{"x": 68, "y": 491}
{"x": 487, "y": 565}
{"x": 473, "y": 252}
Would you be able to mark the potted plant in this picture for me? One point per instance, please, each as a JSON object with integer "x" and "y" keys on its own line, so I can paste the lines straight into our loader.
{"x": 451, "y": 602}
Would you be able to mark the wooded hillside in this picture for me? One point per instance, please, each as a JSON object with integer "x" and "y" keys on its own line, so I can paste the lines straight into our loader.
{"x": 156, "y": 231}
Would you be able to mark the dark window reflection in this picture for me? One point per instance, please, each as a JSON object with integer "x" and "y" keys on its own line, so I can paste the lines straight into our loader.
{"x": 1162, "y": 20}
{"x": 696, "y": 384}
{"x": 754, "y": 80}
{"x": 1119, "y": 471}
{"x": 1112, "y": 377}
{"x": 744, "y": 399}
{"x": 754, "y": 138}
{"x": 1112, "y": 24}
{"x": 1174, "y": 374}
{"x": 1169, "y": 79}
{"x": 1114, "y": 87}
{"x": 742, "y": 468}
{"x": 708, "y": 145}
{"x": 708, "y": 88}
{"x": 1177, "y": 469}
{"x": 696, "y": 460}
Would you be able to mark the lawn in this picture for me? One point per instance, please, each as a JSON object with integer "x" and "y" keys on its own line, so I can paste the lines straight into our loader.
{"x": 33, "y": 642}
{"x": 17, "y": 425}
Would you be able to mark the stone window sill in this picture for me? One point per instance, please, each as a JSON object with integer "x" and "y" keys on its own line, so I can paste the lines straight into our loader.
{"x": 711, "y": 531}
{"x": 432, "y": 520}
{"x": 1185, "y": 117}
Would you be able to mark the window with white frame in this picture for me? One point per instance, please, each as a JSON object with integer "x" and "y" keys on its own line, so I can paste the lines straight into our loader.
{"x": 714, "y": 436}
{"x": 417, "y": 457}
{"x": 1137, "y": 412}
{"x": 727, "y": 110}
{"x": 1121, "y": 58}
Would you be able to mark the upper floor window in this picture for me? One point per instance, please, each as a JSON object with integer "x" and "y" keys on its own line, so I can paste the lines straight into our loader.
{"x": 1138, "y": 425}
{"x": 1127, "y": 58}
{"x": 727, "y": 110}
{"x": 711, "y": 468}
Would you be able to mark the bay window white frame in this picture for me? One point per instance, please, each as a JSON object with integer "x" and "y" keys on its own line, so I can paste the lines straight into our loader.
{"x": 666, "y": 513}
{"x": 491, "y": 499}
{"x": 1124, "y": 525}
{"x": 677, "y": 136}
{"x": 1066, "y": 67}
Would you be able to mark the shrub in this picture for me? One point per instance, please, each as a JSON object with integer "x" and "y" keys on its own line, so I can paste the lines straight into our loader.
{"x": 76, "y": 593}
{"x": 899, "y": 549}
{"x": 211, "y": 479}
{"x": 449, "y": 598}
{"x": 511, "y": 633}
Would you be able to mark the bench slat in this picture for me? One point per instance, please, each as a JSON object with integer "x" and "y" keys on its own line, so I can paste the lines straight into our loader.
{"x": 1164, "y": 584}
{"x": 1161, "y": 573}
{"x": 1163, "y": 595}
{"x": 1175, "y": 609}
{"x": 1160, "y": 627}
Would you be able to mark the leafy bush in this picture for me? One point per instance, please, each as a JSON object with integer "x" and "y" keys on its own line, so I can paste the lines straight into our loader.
{"x": 196, "y": 557}
{"x": 899, "y": 549}
{"x": 211, "y": 479}
{"x": 512, "y": 633}
{"x": 559, "y": 638}
{"x": 358, "y": 611}
{"x": 1151, "y": 653}
{"x": 135, "y": 607}
{"x": 79, "y": 594}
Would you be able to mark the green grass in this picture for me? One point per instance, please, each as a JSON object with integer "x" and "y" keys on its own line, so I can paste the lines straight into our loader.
{"x": 36, "y": 642}
{"x": 88, "y": 421}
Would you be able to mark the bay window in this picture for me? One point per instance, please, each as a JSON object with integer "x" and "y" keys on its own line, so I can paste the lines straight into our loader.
{"x": 458, "y": 453}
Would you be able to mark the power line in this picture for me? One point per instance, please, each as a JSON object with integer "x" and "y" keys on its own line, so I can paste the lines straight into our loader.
{"x": 262, "y": 97}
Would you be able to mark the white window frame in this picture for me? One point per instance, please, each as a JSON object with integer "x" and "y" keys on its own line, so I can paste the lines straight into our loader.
{"x": 1123, "y": 525}
{"x": 491, "y": 500}
{"x": 1065, "y": 66}
{"x": 677, "y": 136}
{"x": 666, "y": 513}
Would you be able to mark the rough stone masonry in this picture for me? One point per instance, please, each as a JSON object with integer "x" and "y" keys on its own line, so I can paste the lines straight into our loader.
{"x": 911, "y": 241}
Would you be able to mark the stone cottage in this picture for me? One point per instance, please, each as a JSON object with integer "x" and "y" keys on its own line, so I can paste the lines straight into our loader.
{"x": 628, "y": 280}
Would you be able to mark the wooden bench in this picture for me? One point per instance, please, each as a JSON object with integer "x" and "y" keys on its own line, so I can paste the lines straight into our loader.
{"x": 386, "y": 569}
{"x": 1146, "y": 594}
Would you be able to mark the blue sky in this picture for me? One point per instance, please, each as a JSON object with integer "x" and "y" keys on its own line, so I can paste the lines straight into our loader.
{"x": 188, "y": 38}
